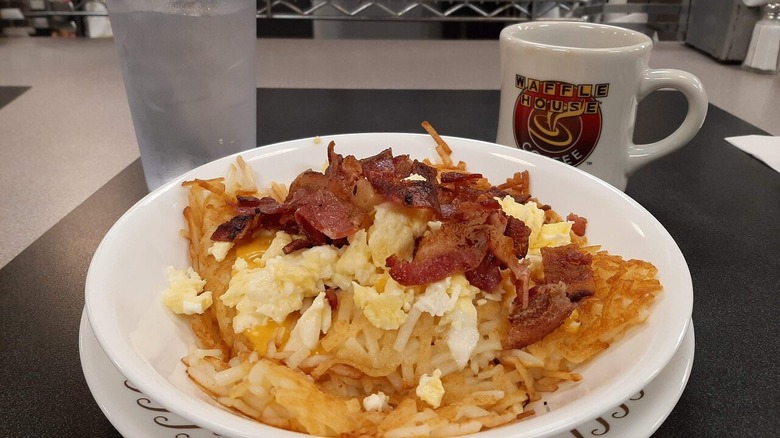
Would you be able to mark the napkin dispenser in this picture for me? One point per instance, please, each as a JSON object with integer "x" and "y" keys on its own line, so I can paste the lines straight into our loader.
{"x": 721, "y": 28}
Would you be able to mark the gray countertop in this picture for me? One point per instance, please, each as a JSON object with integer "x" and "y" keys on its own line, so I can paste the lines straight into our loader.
{"x": 71, "y": 131}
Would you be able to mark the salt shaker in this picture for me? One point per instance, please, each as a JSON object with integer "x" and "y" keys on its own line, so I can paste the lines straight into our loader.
{"x": 763, "y": 55}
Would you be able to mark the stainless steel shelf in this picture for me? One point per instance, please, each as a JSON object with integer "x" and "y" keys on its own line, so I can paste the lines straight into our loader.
{"x": 412, "y": 10}
{"x": 418, "y": 10}
{"x": 666, "y": 15}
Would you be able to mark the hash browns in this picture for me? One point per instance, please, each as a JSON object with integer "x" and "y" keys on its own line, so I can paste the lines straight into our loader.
{"x": 321, "y": 393}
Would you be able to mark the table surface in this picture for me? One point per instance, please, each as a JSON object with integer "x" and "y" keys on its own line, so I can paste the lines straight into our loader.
{"x": 718, "y": 203}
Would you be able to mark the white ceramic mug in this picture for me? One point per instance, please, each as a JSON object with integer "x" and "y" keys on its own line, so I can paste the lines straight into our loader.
{"x": 569, "y": 90}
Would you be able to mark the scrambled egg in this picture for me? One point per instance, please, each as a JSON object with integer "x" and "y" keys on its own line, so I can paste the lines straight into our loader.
{"x": 219, "y": 250}
{"x": 277, "y": 288}
{"x": 542, "y": 235}
{"x": 275, "y": 248}
{"x": 440, "y": 297}
{"x": 185, "y": 292}
{"x": 394, "y": 231}
{"x": 452, "y": 298}
{"x": 531, "y": 215}
{"x": 275, "y": 285}
{"x": 355, "y": 263}
{"x": 550, "y": 235}
{"x": 463, "y": 335}
{"x": 386, "y": 310}
{"x": 316, "y": 319}
{"x": 378, "y": 402}
{"x": 430, "y": 389}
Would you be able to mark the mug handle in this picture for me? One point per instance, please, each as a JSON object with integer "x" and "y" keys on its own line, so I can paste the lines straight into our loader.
{"x": 690, "y": 86}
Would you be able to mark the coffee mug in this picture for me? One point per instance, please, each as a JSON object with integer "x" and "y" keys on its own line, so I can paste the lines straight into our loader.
{"x": 569, "y": 90}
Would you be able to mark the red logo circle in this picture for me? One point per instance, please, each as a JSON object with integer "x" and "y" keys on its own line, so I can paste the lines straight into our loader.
{"x": 559, "y": 120}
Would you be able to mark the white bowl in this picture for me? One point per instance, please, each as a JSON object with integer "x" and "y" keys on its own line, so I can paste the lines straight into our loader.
{"x": 146, "y": 341}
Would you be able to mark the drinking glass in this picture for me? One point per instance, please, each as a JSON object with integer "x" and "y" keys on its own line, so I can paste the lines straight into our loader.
{"x": 189, "y": 73}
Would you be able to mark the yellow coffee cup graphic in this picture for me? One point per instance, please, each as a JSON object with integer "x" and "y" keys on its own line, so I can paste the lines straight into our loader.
{"x": 548, "y": 129}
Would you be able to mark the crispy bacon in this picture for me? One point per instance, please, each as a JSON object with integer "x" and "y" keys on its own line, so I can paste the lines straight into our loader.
{"x": 521, "y": 199}
{"x": 342, "y": 174}
{"x": 307, "y": 178}
{"x": 340, "y": 177}
{"x": 568, "y": 278}
{"x": 325, "y": 207}
{"x": 569, "y": 265}
{"x": 247, "y": 205}
{"x": 455, "y": 248}
{"x": 475, "y": 245}
{"x": 547, "y": 309}
{"x": 519, "y": 233}
{"x": 579, "y": 224}
{"x": 234, "y": 229}
{"x": 390, "y": 177}
{"x": 265, "y": 205}
{"x": 475, "y": 212}
{"x": 381, "y": 162}
{"x": 321, "y": 213}
{"x": 432, "y": 269}
{"x": 296, "y": 244}
{"x": 487, "y": 275}
{"x": 502, "y": 246}
{"x": 457, "y": 197}
{"x": 458, "y": 177}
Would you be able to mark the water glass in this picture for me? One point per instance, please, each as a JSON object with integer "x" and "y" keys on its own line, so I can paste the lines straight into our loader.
{"x": 189, "y": 73}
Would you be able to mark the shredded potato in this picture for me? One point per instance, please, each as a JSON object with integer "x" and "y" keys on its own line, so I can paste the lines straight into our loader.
{"x": 320, "y": 391}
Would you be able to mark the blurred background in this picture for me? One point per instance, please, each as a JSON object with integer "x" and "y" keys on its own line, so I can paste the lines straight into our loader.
{"x": 721, "y": 28}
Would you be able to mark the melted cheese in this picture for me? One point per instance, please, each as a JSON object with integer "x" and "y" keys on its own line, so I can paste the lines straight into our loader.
{"x": 255, "y": 249}
{"x": 260, "y": 335}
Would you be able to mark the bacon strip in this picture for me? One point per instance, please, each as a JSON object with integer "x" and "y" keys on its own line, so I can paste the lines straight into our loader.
{"x": 579, "y": 225}
{"x": 321, "y": 206}
{"x": 487, "y": 275}
{"x": 234, "y": 229}
{"x": 548, "y": 308}
{"x": 474, "y": 245}
{"x": 569, "y": 265}
{"x": 320, "y": 212}
{"x": 431, "y": 269}
{"x": 455, "y": 248}
{"x": 252, "y": 205}
{"x": 519, "y": 233}
{"x": 389, "y": 176}
{"x": 568, "y": 278}
{"x": 457, "y": 177}
{"x": 295, "y": 245}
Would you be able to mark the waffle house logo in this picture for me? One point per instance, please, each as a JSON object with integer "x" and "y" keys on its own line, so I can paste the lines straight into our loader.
{"x": 558, "y": 119}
